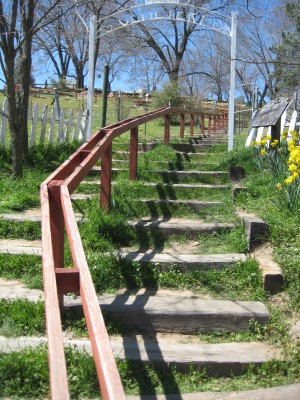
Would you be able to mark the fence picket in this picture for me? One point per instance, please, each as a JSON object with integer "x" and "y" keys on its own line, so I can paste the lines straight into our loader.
{"x": 44, "y": 122}
{"x": 52, "y": 125}
{"x": 69, "y": 124}
{"x": 60, "y": 134}
{"x": 77, "y": 126}
{"x": 84, "y": 124}
{"x": 35, "y": 116}
{"x": 4, "y": 122}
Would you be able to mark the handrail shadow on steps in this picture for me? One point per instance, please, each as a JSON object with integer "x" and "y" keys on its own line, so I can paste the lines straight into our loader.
{"x": 58, "y": 216}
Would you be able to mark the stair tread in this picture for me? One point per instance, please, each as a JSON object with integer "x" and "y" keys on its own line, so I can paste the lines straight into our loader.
{"x": 21, "y": 246}
{"x": 188, "y": 172}
{"x": 188, "y": 185}
{"x": 30, "y": 215}
{"x": 176, "y": 201}
{"x": 201, "y": 354}
{"x": 180, "y": 224}
{"x": 156, "y": 257}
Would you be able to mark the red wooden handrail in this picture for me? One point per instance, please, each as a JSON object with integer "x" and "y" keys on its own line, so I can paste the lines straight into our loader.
{"x": 58, "y": 215}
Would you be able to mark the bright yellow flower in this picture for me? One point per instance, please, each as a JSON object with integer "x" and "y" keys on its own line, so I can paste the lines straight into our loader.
{"x": 274, "y": 143}
{"x": 279, "y": 186}
{"x": 284, "y": 134}
{"x": 295, "y": 175}
{"x": 269, "y": 137}
{"x": 289, "y": 180}
{"x": 263, "y": 142}
{"x": 263, "y": 152}
{"x": 293, "y": 168}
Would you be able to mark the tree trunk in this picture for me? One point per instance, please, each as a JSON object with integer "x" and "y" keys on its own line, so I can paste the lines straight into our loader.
{"x": 14, "y": 123}
{"x": 79, "y": 78}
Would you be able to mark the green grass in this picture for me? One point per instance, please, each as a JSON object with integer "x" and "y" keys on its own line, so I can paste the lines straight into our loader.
{"x": 25, "y": 374}
{"x": 27, "y": 269}
{"x": 108, "y": 232}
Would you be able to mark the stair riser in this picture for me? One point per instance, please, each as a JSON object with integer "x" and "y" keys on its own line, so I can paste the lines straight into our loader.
{"x": 190, "y": 323}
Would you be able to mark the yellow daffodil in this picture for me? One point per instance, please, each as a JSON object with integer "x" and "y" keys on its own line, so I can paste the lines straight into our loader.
{"x": 289, "y": 180}
{"x": 279, "y": 187}
{"x": 263, "y": 152}
{"x": 274, "y": 143}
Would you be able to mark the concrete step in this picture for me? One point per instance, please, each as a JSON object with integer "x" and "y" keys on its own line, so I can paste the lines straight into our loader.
{"x": 188, "y": 185}
{"x": 284, "y": 392}
{"x": 31, "y": 215}
{"x": 187, "y": 147}
{"x": 170, "y": 185}
{"x": 174, "y": 314}
{"x": 193, "y": 204}
{"x": 20, "y": 246}
{"x": 222, "y": 359}
{"x": 189, "y": 174}
{"x": 185, "y": 262}
{"x": 177, "y": 226}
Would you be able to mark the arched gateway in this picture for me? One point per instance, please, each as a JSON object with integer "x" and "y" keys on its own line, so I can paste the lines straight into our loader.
{"x": 142, "y": 11}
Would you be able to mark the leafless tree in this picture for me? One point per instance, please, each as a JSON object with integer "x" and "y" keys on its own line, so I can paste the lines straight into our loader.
{"x": 18, "y": 25}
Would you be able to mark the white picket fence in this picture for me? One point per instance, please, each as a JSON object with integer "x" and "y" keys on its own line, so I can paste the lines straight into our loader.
{"x": 46, "y": 126}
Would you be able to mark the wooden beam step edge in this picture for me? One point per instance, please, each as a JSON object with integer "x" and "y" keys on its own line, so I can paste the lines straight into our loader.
{"x": 173, "y": 314}
{"x": 222, "y": 359}
{"x": 165, "y": 261}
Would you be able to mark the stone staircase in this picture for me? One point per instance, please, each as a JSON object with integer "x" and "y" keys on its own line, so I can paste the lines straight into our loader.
{"x": 161, "y": 325}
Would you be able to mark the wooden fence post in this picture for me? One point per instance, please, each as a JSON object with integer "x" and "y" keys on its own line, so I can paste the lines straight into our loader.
{"x": 202, "y": 124}
{"x": 182, "y": 119}
{"x": 192, "y": 124}
{"x": 106, "y": 174}
{"x": 209, "y": 124}
{"x": 133, "y": 153}
{"x": 167, "y": 129}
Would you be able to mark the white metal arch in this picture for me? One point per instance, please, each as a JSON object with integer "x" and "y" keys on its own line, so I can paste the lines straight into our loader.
{"x": 145, "y": 12}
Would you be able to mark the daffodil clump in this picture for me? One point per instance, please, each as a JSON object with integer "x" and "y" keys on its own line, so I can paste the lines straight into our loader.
{"x": 284, "y": 163}
{"x": 289, "y": 189}
{"x": 269, "y": 155}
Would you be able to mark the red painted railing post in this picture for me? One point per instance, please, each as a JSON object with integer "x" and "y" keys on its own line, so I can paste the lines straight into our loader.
{"x": 215, "y": 123}
{"x": 182, "y": 120}
{"x": 133, "y": 153}
{"x": 57, "y": 230}
{"x": 192, "y": 124}
{"x": 167, "y": 129}
{"x": 202, "y": 124}
{"x": 106, "y": 175}
{"x": 209, "y": 124}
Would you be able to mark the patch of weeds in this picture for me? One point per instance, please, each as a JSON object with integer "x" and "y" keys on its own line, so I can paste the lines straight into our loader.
{"x": 105, "y": 231}
{"x": 14, "y": 230}
{"x": 243, "y": 281}
{"x": 24, "y": 374}
{"x": 26, "y": 268}
{"x": 21, "y": 317}
{"x": 110, "y": 273}
{"x": 230, "y": 241}
{"x": 47, "y": 157}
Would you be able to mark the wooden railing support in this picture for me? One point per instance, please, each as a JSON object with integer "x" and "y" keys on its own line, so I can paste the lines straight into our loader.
{"x": 192, "y": 124}
{"x": 214, "y": 123}
{"x": 57, "y": 230}
{"x": 58, "y": 217}
{"x": 209, "y": 124}
{"x": 202, "y": 125}
{"x": 106, "y": 174}
{"x": 133, "y": 153}
{"x": 167, "y": 129}
{"x": 182, "y": 121}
